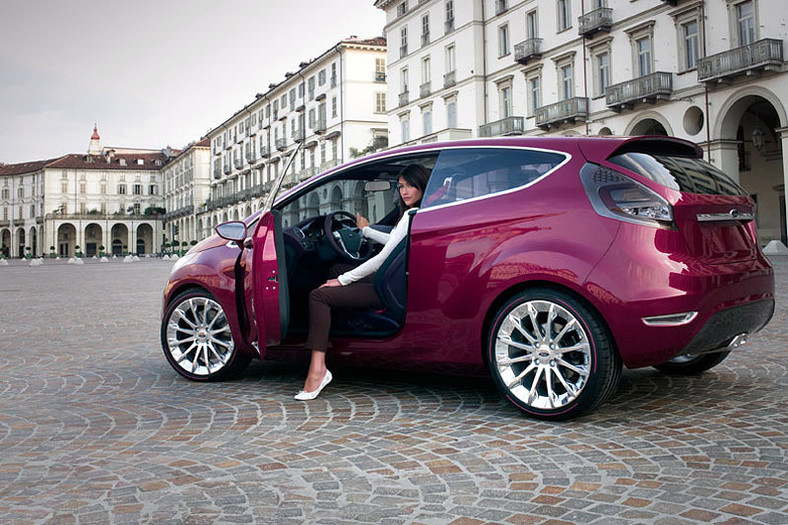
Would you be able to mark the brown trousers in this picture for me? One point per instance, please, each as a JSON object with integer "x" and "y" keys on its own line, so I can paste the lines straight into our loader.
{"x": 355, "y": 296}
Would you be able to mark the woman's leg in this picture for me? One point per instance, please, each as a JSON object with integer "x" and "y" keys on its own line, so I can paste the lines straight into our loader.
{"x": 355, "y": 296}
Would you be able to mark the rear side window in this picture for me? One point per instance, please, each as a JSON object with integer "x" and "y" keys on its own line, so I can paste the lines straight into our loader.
{"x": 462, "y": 174}
{"x": 685, "y": 174}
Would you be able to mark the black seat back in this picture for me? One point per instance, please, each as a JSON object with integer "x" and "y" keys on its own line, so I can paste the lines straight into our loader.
{"x": 391, "y": 281}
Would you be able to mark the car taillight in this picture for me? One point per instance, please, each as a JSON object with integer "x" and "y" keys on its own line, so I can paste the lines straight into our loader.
{"x": 618, "y": 197}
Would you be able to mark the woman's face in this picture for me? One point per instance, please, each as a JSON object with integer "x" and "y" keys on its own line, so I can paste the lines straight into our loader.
{"x": 410, "y": 194}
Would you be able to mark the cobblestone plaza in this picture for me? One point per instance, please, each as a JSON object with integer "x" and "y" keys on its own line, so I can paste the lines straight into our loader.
{"x": 95, "y": 427}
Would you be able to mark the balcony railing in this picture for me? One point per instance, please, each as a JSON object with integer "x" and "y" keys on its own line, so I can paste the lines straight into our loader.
{"x": 600, "y": 19}
{"x": 5, "y": 222}
{"x": 425, "y": 89}
{"x": 528, "y": 49}
{"x": 448, "y": 26}
{"x": 403, "y": 98}
{"x": 449, "y": 79}
{"x": 403, "y": 51}
{"x": 766, "y": 54}
{"x": 265, "y": 152}
{"x": 500, "y": 6}
{"x": 249, "y": 156}
{"x": 228, "y": 168}
{"x": 217, "y": 171}
{"x": 281, "y": 144}
{"x": 307, "y": 173}
{"x": 505, "y": 126}
{"x": 569, "y": 110}
{"x": 180, "y": 212}
{"x": 320, "y": 126}
{"x": 329, "y": 164}
{"x": 380, "y": 76}
{"x": 649, "y": 88}
{"x": 238, "y": 162}
{"x": 425, "y": 39}
{"x": 297, "y": 134}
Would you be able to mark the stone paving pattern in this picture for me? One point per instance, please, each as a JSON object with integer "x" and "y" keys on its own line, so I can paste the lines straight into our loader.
{"x": 95, "y": 428}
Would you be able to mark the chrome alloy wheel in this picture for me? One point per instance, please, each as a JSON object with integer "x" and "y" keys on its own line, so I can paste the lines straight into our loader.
{"x": 542, "y": 354}
{"x": 198, "y": 336}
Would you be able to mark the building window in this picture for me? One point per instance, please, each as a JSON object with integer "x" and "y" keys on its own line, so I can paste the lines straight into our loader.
{"x": 121, "y": 189}
{"x": 505, "y": 100}
{"x": 531, "y": 25}
{"x": 63, "y": 187}
{"x": 402, "y": 8}
{"x": 82, "y": 187}
{"x": 154, "y": 189}
{"x": 425, "y": 30}
{"x": 333, "y": 106}
{"x": 503, "y": 40}
{"x": 333, "y": 75}
{"x": 425, "y": 70}
{"x": 643, "y": 49}
{"x": 451, "y": 113}
{"x": 535, "y": 91}
{"x": 602, "y": 73}
{"x": 564, "y": 15}
{"x": 690, "y": 41}
{"x": 334, "y": 149}
{"x": 32, "y": 210}
{"x": 426, "y": 120}
{"x": 449, "y": 16}
{"x": 451, "y": 59}
{"x": 403, "y": 47}
{"x": 321, "y": 77}
{"x": 404, "y": 123}
{"x": 567, "y": 81}
{"x": 745, "y": 23}
{"x": 310, "y": 87}
{"x": 403, "y": 80}
{"x": 380, "y": 102}
{"x": 138, "y": 189}
{"x": 380, "y": 70}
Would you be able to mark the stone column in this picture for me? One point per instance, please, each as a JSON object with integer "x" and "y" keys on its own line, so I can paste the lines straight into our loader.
{"x": 784, "y": 138}
{"x": 725, "y": 155}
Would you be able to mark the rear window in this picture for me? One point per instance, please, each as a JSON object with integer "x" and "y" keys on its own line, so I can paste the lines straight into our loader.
{"x": 468, "y": 173}
{"x": 685, "y": 174}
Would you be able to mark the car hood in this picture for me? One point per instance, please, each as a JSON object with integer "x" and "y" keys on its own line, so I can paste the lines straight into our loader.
{"x": 211, "y": 242}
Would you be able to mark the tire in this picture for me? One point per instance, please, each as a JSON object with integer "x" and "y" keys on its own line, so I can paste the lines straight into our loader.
{"x": 683, "y": 365}
{"x": 528, "y": 358}
{"x": 196, "y": 338}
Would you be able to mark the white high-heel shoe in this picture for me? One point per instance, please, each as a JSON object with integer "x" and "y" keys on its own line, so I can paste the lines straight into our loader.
{"x": 307, "y": 396}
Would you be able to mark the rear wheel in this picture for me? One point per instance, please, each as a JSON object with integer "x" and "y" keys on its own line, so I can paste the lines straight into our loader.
{"x": 551, "y": 356}
{"x": 686, "y": 365}
{"x": 196, "y": 338}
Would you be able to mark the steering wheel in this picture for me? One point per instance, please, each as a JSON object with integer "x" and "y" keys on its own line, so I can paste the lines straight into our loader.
{"x": 345, "y": 238}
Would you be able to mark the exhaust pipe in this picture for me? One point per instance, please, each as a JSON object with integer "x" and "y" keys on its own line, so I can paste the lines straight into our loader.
{"x": 737, "y": 341}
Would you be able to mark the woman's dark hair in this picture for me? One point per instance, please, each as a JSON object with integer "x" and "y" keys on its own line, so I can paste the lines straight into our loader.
{"x": 416, "y": 175}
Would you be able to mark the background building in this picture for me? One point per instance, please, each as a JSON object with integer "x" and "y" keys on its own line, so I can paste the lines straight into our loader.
{"x": 108, "y": 200}
{"x": 711, "y": 71}
{"x": 187, "y": 180}
{"x": 334, "y": 104}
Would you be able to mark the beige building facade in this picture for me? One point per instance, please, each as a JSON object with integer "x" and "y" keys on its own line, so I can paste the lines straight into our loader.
{"x": 108, "y": 201}
{"x": 710, "y": 71}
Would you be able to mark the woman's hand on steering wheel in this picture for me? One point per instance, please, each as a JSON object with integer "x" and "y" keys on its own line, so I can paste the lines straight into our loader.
{"x": 361, "y": 222}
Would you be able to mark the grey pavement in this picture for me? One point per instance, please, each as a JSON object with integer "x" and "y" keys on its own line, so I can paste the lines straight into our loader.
{"x": 96, "y": 428}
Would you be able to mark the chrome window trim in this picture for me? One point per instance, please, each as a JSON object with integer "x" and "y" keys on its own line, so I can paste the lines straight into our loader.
{"x": 733, "y": 215}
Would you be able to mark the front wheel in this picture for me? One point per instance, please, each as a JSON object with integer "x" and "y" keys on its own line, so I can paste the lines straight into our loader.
{"x": 551, "y": 356}
{"x": 196, "y": 338}
{"x": 685, "y": 365}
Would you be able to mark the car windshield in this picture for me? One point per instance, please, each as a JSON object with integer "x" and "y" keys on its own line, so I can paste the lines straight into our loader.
{"x": 685, "y": 174}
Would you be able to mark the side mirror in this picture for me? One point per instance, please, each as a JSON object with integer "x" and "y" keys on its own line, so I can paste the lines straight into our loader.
{"x": 377, "y": 185}
{"x": 232, "y": 231}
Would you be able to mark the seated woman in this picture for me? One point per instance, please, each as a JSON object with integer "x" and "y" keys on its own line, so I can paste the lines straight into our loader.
{"x": 353, "y": 288}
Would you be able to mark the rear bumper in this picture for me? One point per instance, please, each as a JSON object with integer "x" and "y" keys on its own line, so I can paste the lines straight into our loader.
{"x": 647, "y": 273}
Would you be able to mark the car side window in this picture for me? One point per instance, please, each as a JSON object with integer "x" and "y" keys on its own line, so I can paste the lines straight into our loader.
{"x": 467, "y": 173}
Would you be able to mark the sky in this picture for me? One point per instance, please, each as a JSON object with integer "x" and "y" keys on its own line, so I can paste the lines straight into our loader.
{"x": 151, "y": 73}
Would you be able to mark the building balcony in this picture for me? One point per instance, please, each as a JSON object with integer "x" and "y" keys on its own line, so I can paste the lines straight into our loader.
{"x": 403, "y": 51}
{"x": 380, "y": 76}
{"x": 448, "y": 26}
{"x": 265, "y": 152}
{"x": 403, "y": 98}
{"x": 6, "y": 222}
{"x": 425, "y": 89}
{"x": 238, "y": 163}
{"x": 307, "y": 173}
{"x": 329, "y": 164}
{"x": 281, "y": 144}
{"x": 180, "y": 212}
{"x": 500, "y": 6}
{"x": 297, "y": 134}
{"x": 528, "y": 49}
{"x": 249, "y": 157}
{"x": 600, "y": 19}
{"x": 320, "y": 126}
{"x": 503, "y": 127}
{"x": 425, "y": 39}
{"x": 217, "y": 171}
{"x": 449, "y": 79}
{"x": 649, "y": 88}
{"x": 566, "y": 111}
{"x": 227, "y": 168}
{"x": 752, "y": 59}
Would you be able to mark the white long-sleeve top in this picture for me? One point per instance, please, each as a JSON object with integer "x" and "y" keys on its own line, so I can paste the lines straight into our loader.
{"x": 375, "y": 235}
{"x": 399, "y": 232}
